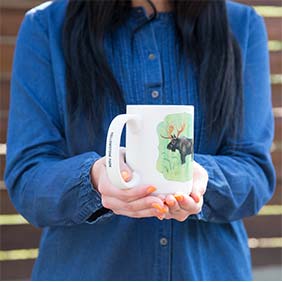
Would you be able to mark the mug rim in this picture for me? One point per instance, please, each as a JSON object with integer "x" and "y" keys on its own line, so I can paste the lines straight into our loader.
{"x": 159, "y": 106}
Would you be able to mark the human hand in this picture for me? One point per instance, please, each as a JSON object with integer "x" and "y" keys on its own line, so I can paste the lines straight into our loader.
{"x": 180, "y": 205}
{"x": 136, "y": 202}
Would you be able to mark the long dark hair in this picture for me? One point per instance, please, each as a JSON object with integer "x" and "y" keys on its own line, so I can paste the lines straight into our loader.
{"x": 205, "y": 39}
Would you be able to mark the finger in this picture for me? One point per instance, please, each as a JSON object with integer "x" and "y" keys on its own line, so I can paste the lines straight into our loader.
{"x": 162, "y": 197}
{"x": 199, "y": 170}
{"x": 148, "y": 202}
{"x": 200, "y": 181}
{"x": 106, "y": 188}
{"x": 175, "y": 210}
{"x": 126, "y": 172}
{"x": 141, "y": 214}
{"x": 179, "y": 214}
{"x": 199, "y": 187}
{"x": 172, "y": 204}
{"x": 133, "y": 194}
{"x": 128, "y": 195}
{"x": 188, "y": 204}
{"x": 196, "y": 196}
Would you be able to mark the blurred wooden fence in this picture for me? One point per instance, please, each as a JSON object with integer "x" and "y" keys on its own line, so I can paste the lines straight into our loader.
{"x": 19, "y": 240}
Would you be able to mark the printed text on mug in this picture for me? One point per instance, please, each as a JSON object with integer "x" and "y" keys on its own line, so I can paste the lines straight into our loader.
{"x": 110, "y": 150}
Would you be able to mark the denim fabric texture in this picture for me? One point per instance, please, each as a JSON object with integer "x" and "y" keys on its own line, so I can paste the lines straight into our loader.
{"x": 48, "y": 163}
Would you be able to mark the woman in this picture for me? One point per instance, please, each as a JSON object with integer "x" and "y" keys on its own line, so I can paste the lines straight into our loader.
{"x": 77, "y": 64}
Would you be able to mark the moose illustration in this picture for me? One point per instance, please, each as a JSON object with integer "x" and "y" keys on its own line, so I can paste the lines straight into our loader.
{"x": 183, "y": 144}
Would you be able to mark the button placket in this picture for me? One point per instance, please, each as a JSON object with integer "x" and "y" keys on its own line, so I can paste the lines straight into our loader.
{"x": 165, "y": 249}
{"x": 153, "y": 69}
{"x": 152, "y": 64}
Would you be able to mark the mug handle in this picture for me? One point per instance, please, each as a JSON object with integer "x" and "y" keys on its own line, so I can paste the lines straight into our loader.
{"x": 113, "y": 150}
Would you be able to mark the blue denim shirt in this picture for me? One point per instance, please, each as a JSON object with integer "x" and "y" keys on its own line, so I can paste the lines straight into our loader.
{"x": 48, "y": 163}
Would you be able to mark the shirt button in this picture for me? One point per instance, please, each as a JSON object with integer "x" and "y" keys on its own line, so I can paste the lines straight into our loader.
{"x": 152, "y": 56}
{"x": 163, "y": 241}
{"x": 155, "y": 94}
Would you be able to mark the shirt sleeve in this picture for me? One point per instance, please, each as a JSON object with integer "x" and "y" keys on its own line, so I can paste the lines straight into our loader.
{"x": 46, "y": 185}
{"x": 242, "y": 177}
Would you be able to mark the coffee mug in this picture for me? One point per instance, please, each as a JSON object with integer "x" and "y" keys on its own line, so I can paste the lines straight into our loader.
{"x": 159, "y": 147}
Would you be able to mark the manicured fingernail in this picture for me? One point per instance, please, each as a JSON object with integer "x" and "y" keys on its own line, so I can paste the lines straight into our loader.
{"x": 158, "y": 207}
{"x": 151, "y": 189}
{"x": 125, "y": 175}
{"x": 160, "y": 217}
{"x": 179, "y": 197}
{"x": 165, "y": 209}
{"x": 196, "y": 197}
{"x": 170, "y": 203}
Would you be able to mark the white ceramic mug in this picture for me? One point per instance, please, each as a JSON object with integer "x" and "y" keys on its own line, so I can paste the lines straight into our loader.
{"x": 159, "y": 147}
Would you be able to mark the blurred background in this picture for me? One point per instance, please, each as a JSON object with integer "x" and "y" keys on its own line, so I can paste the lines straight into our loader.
{"x": 19, "y": 240}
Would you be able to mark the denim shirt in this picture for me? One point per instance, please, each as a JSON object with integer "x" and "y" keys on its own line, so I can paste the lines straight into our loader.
{"x": 48, "y": 163}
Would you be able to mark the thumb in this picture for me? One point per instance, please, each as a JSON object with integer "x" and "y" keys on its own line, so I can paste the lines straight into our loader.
{"x": 125, "y": 170}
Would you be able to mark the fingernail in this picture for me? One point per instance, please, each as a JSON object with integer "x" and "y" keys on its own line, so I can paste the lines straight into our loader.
{"x": 179, "y": 197}
{"x": 165, "y": 209}
{"x": 151, "y": 189}
{"x": 158, "y": 207}
{"x": 170, "y": 203}
{"x": 196, "y": 197}
{"x": 125, "y": 175}
{"x": 160, "y": 217}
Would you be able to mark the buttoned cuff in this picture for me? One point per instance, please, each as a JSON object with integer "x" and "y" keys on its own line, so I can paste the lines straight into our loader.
{"x": 89, "y": 198}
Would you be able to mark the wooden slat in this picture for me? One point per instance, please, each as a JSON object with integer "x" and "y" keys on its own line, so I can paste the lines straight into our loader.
{"x": 6, "y": 57}
{"x": 276, "y": 155}
{"x": 16, "y": 270}
{"x": 261, "y": 2}
{"x": 276, "y": 158}
{"x": 10, "y": 21}
{"x": 4, "y": 122}
{"x": 264, "y": 226}
{"x": 12, "y": 17}
{"x": 277, "y": 197}
{"x": 4, "y": 115}
{"x": 277, "y": 125}
{"x": 278, "y": 128}
{"x": 19, "y": 237}
{"x": 2, "y": 166}
{"x": 274, "y": 28}
{"x": 276, "y": 62}
{"x": 21, "y": 269}
{"x": 4, "y": 95}
{"x": 277, "y": 161}
{"x": 19, "y": 4}
{"x": 264, "y": 257}
{"x": 7, "y": 52}
{"x": 12, "y": 24}
{"x": 26, "y": 4}
{"x": 6, "y": 206}
{"x": 277, "y": 95}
